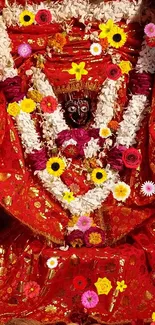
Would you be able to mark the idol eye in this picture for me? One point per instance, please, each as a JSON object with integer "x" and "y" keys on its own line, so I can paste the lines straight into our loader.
{"x": 84, "y": 109}
{"x": 71, "y": 109}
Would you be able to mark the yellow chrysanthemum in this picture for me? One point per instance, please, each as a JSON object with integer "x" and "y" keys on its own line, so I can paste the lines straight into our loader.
{"x": 55, "y": 166}
{"x": 35, "y": 95}
{"x": 153, "y": 316}
{"x": 78, "y": 70}
{"x": 26, "y": 18}
{"x": 105, "y": 132}
{"x": 117, "y": 37}
{"x": 68, "y": 196}
{"x": 28, "y": 105}
{"x": 121, "y": 286}
{"x": 103, "y": 286}
{"x": 13, "y": 109}
{"x": 121, "y": 191}
{"x": 125, "y": 66}
{"x": 99, "y": 175}
{"x": 106, "y": 29}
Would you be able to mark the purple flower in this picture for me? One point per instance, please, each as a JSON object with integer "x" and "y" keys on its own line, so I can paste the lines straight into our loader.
{"x": 12, "y": 89}
{"x": 84, "y": 223}
{"x": 75, "y": 238}
{"x": 24, "y": 50}
{"x": 115, "y": 158}
{"x": 94, "y": 237}
{"x": 89, "y": 299}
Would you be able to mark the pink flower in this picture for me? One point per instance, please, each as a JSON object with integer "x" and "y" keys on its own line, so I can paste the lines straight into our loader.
{"x": 148, "y": 188}
{"x": 89, "y": 299}
{"x": 43, "y": 17}
{"x": 150, "y": 30}
{"x": 31, "y": 289}
{"x": 24, "y": 50}
{"x": 84, "y": 223}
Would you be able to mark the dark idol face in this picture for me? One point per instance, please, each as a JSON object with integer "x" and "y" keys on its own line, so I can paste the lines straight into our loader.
{"x": 77, "y": 112}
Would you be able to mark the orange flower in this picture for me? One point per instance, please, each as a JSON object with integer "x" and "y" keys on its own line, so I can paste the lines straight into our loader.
{"x": 57, "y": 42}
{"x": 104, "y": 43}
{"x": 114, "y": 125}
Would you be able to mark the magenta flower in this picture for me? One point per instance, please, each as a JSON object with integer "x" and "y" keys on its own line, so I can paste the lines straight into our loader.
{"x": 84, "y": 223}
{"x": 150, "y": 30}
{"x": 115, "y": 158}
{"x": 89, "y": 299}
{"x": 24, "y": 50}
{"x": 75, "y": 238}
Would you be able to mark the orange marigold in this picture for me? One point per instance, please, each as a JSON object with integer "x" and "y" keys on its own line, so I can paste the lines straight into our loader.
{"x": 104, "y": 43}
{"x": 114, "y": 125}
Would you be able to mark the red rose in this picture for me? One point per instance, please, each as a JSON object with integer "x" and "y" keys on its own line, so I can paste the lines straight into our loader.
{"x": 79, "y": 282}
{"x": 132, "y": 158}
{"x": 113, "y": 71}
{"x": 48, "y": 104}
{"x": 43, "y": 17}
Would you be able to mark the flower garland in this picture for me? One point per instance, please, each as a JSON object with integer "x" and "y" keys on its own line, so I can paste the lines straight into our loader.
{"x": 60, "y": 12}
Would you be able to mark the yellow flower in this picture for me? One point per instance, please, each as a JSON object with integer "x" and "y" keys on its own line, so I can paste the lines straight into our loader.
{"x": 106, "y": 28}
{"x": 26, "y": 18}
{"x": 72, "y": 222}
{"x": 99, "y": 175}
{"x": 105, "y": 132}
{"x": 55, "y": 166}
{"x": 27, "y": 105}
{"x": 121, "y": 286}
{"x": 153, "y": 316}
{"x": 78, "y": 70}
{"x": 68, "y": 196}
{"x": 121, "y": 191}
{"x": 125, "y": 66}
{"x": 35, "y": 95}
{"x": 103, "y": 286}
{"x": 117, "y": 37}
{"x": 13, "y": 109}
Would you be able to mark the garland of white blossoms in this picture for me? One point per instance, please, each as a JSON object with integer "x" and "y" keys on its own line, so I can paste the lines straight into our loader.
{"x": 31, "y": 141}
{"x": 81, "y": 9}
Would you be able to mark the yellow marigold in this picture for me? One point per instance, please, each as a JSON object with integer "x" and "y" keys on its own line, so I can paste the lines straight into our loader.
{"x": 125, "y": 66}
{"x": 28, "y": 105}
{"x": 13, "y": 109}
{"x": 35, "y": 95}
{"x": 103, "y": 286}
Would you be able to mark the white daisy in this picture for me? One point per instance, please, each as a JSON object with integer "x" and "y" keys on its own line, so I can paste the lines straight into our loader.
{"x": 52, "y": 262}
{"x": 148, "y": 188}
{"x": 95, "y": 49}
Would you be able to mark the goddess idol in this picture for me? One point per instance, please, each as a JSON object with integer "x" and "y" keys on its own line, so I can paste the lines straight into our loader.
{"x": 77, "y": 168}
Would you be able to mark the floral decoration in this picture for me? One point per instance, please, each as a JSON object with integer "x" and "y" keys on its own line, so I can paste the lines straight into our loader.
{"x": 78, "y": 69}
{"x": 125, "y": 66}
{"x": 35, "y": 95}
{"x": 75, "y": 238}
{"x": 89, "y": 299}
{"x": 57, "y": 42}
{"x": 79, "y": 282}
{"x": 115, "y": 158}
{"x": 121, "y": 286}
{"x": 95, "y": 49}
{"x": 117, "y": 38}
{"x": 103, "y": 286}
{"x": 104, "y": 132}
{"x": 48, "y": 104}
{"x": 150, "y": 30}
{"x": 106, "y": 29}
{"x": 43, "y": 17}
{"x": 94, "y": 237}
{"x": 55, "y": 166}
{"x": 26, "y": 18}
{"x": 153, "y": 316}
{"x": 28, "y": 105}
{"x": 24, "y": 50}
{"x": 84, "y": 223}
{"x": 113, "y": 71}
{"x": 99, "y": 175}
{"x": 132, "y": 158}
{"x": 52, "y": 262}
{"x": 68, "y": 196}
{"x": 121, "y": 191}
{"x": 148, "y": 188}
{"x": 31, "y": 289}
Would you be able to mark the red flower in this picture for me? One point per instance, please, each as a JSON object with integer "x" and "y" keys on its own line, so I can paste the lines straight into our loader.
{"x": 94, "y": 237}
{"x": 113, "y": 71}
{"x": 71, "y": 151}
{"x": 31, "y": 289}
{"x": 132, "y": 158}
{"x": 48, "y": 104}
{"x": 43, "y": 17}
{"x": 79, "y": 282}
{"x": 75, "y": 238}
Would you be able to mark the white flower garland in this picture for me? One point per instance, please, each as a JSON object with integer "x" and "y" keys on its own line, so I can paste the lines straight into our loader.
{"x": 83, "y": 10}
{"x": 82, "y": 204}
